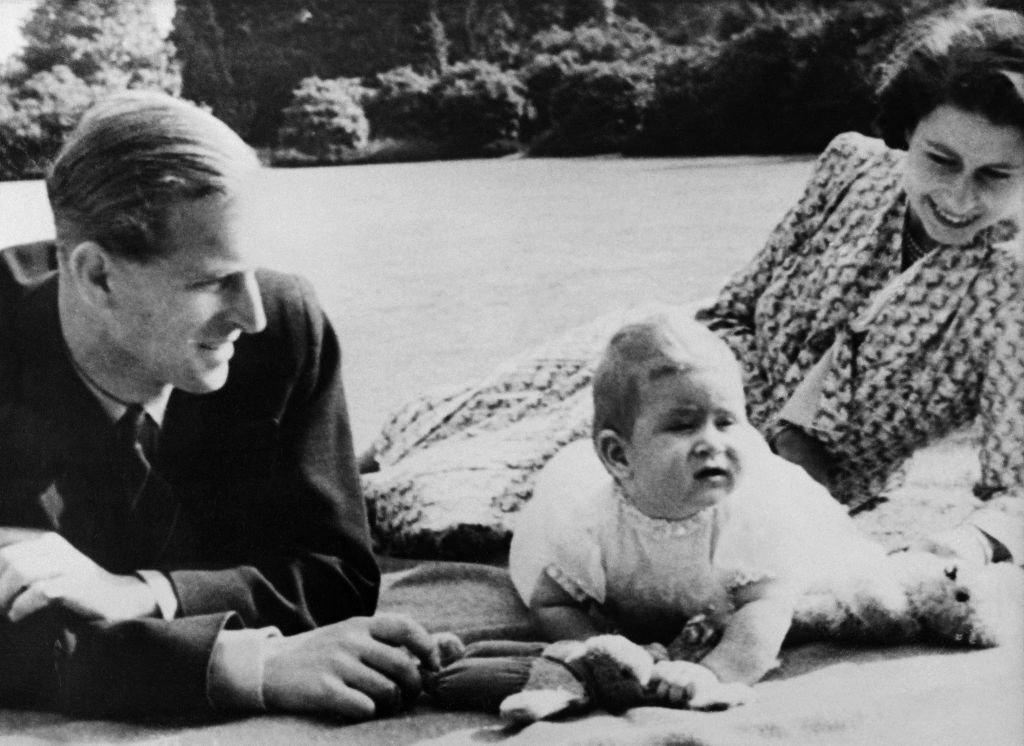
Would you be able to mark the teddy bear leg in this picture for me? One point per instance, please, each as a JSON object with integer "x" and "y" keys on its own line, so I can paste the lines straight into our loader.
{"x": 869, "y": 607}
{"x": 551, "y": 689}
{"x": 478, "y": 683}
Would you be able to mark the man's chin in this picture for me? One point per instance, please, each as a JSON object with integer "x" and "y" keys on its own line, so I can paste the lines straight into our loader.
{"x": 206, "y": 381}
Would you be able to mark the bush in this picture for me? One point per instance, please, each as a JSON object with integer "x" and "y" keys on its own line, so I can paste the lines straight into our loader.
{"x": 401, "y": 106}
{"x": 788, "y": 83}
{"x": 478, "y": 108}
{"x": 324, "y": 122}
{"x": 557, "y": 55}
{"x": 36, "y": 117}
{"x": 596, "y": 108}
{"x": 627, "y": 40}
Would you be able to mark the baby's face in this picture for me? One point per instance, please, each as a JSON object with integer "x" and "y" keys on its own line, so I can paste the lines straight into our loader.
{"x": 686, "y": 449}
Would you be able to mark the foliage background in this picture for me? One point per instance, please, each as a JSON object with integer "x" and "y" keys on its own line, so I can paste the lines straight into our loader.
{"x": 338, "y": 81}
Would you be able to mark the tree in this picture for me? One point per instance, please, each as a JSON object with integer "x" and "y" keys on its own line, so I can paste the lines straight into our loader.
{"x": 114, "y": 43}
{"x": 75, "y": 51}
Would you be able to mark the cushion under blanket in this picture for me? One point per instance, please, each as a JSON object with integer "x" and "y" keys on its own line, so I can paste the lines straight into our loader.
{"x": 457, "y": 464}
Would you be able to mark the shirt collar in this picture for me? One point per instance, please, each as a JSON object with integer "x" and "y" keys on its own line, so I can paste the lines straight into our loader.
{"x": 115, "y": 408}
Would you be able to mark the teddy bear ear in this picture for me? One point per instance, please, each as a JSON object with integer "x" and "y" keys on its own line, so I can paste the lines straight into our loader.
{"x": 951, "y": 572}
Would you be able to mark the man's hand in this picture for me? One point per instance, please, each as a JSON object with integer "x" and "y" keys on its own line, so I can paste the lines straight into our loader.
{"x": 40, "y": 569}
{"x": 355, "y": 669}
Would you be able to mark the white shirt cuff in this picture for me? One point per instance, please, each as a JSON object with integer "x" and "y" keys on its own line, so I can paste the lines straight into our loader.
{"x": 235, "y": 677}
{"x": 166, "y": 598}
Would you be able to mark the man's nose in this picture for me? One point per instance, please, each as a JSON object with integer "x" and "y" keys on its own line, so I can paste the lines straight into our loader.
{"x": 246, "y": 305}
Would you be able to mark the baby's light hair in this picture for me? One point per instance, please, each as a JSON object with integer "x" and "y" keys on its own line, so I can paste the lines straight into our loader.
{"x": 663, "y": 343}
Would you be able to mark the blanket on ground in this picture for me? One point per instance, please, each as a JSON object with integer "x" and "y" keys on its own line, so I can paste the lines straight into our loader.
{"x": 822, "y": 694}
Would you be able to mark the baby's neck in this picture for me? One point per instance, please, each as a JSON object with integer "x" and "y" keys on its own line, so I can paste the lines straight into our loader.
{"x": 679, "y": 514}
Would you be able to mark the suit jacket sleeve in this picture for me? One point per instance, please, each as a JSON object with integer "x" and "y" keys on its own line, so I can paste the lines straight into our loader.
{"x": 143, "y": 667}
{"x": 299, "y": 555}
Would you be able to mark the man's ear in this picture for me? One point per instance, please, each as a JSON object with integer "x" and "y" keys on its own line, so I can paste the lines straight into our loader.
{"x": 89, "y": 265}
{"x": 611, "y": 449}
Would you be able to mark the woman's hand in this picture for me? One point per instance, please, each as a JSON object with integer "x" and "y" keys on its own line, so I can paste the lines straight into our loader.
{"x": 793, "y": 444}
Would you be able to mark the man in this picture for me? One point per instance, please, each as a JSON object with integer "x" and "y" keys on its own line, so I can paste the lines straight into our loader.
{"x": 177, "y": 483}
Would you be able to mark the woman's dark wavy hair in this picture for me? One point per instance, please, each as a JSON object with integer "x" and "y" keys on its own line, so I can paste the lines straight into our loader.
{"x": 970, "y": 57}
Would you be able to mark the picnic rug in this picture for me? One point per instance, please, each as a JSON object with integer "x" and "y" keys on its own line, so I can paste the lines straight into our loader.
{"x": 822, "y": 694}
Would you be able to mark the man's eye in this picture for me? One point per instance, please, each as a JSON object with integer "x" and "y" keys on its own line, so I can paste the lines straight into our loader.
{"x": 992, "y": 174}
{"x": 212, "y": 283}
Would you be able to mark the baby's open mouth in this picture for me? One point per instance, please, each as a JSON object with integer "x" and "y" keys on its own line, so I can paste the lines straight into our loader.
{"x": 711, "y": 472}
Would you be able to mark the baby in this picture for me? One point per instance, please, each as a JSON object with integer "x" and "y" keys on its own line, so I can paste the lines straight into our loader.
{"x": 691, "y": 516}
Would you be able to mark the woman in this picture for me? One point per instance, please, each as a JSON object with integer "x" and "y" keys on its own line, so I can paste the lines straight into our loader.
{"x": 884, "y": 311}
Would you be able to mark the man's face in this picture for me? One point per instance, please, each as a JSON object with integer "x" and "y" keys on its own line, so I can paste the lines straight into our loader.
{"x": 175, "y": 319}
{"x": 688, "y": 443}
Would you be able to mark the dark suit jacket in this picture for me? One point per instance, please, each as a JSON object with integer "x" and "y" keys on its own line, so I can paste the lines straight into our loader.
{"x": 266, "y": 525}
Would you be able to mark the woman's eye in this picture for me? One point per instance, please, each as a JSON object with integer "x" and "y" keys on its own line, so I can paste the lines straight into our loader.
{"x": 941, "y": 160}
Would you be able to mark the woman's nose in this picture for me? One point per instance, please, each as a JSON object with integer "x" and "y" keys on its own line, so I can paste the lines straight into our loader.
{"x": 962, "y": 193}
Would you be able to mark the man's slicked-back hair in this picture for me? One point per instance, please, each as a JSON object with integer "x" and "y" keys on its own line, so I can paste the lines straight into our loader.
{"x": 970, "y": 57}
{"x": 132, "y": 157}
{"x": 667, "y": 342}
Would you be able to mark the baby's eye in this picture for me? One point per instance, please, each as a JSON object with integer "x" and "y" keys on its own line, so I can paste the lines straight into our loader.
{"x": 685, "y": 425}
{"x": 725, "y": 421}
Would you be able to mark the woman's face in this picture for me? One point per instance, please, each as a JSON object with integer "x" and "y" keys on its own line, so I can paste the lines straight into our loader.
{"x": 963, "y": 174}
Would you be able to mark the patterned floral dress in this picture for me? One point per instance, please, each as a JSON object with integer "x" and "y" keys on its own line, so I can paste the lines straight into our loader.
{"x": 901, "y": 357}
{"x": 907, "y": 356}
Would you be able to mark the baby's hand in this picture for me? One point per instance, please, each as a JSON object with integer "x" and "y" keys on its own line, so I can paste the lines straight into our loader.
{"x": 683, "y": 684}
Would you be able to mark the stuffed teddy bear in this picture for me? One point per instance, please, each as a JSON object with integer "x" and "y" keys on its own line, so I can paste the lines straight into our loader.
{"x": 911, "y": 596}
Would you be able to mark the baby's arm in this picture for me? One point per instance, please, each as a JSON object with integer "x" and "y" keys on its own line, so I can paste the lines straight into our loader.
{"x": 559, "y": 616}
{"x": 747, "y": 651}
{"x": 750, "y": 643}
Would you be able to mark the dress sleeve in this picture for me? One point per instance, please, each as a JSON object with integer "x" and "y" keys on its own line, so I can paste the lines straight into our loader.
{"x": 1002, "y": 445}
{"x": 732, "y": 314}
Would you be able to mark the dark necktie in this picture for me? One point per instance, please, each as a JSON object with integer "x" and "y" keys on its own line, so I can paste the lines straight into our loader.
{"x": 137, "y": 435}
{"x": 149, "y": 504}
